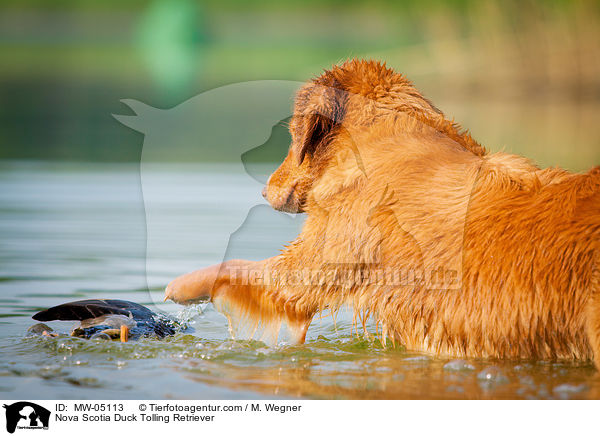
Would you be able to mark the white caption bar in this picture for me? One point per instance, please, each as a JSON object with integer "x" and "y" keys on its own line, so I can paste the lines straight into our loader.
{"x": 41, "y": 418}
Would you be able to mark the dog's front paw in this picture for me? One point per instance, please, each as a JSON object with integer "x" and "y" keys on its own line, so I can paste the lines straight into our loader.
{"x": 193, "y": 287}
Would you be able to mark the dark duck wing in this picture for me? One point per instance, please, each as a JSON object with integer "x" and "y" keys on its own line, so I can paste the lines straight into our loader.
{"x": 87, "y": 309}
{"x": 108, "y": 315}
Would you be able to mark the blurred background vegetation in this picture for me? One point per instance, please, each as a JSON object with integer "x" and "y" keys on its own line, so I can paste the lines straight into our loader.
{"x": 523, "y": 76}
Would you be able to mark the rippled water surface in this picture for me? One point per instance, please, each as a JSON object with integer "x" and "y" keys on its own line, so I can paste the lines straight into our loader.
{"x": 71, "y": 232}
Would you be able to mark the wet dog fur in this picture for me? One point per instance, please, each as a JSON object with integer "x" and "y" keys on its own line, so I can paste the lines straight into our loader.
{"x": 388, "y": 183}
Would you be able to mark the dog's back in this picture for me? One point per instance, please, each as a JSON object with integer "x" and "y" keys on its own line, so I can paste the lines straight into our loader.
{"x": 531, "y": 248}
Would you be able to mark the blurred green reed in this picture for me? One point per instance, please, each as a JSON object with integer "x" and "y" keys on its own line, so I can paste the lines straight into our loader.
{"x": 522, "y": 76}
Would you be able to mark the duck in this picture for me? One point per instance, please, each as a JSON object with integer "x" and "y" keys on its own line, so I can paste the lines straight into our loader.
{"x": 107, "y": 318}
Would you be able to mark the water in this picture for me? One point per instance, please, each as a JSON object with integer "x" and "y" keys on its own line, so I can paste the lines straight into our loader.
{"x": 72, "y": 231}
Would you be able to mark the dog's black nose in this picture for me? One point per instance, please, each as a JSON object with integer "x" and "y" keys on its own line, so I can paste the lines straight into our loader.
{"x": 264, "y": 192}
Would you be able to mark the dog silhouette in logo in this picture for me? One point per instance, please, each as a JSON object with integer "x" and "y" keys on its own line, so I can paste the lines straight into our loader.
{"x": 30, "y": 413}
{"x": 223, "y": 122}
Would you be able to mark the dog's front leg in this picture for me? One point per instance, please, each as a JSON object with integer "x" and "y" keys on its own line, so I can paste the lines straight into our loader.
{"x": 208, "y": 283}
{"x": 243, "y": 287}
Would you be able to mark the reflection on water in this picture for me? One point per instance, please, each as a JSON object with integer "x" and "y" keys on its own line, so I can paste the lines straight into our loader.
{"x": 69, "y": 232}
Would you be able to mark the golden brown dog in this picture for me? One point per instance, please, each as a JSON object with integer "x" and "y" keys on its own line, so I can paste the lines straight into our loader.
{"x": 450, "y": 249}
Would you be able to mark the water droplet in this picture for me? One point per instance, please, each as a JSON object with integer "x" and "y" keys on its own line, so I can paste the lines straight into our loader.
{"x": 100, "y": 337}
{"x": 492, "y": 375}
{"x": 458, "y": 365}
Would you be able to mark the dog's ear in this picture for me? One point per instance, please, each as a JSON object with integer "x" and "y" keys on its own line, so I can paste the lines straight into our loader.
{"x": 324, "y": 110}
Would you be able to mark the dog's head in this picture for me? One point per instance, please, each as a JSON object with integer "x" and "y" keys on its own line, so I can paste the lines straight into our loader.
{"x": 318, "y": 113}
{"x": 328, "y": 112}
